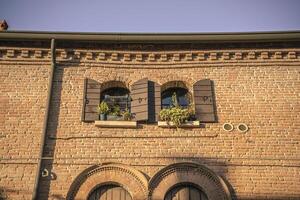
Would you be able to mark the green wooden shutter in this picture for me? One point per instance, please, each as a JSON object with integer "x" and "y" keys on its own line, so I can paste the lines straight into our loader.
{"x": 91, "y": 100}
{"x": 204, "y": 101}
{"x": 139, "y": 97}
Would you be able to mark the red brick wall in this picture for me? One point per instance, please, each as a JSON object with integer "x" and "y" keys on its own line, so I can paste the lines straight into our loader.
{"x": 23, "y": 89}
{"x": 262, "y": 92}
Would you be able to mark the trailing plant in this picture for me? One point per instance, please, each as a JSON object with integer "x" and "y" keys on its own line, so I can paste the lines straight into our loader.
{"x": 176, "y": 113}
{"x": 164, "y": 114}
{"x": 103, "y": 108}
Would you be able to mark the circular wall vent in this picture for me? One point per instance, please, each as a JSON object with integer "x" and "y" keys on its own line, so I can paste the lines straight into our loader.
{"x": 227, "y": 127}
{"x": 242, "y": 127}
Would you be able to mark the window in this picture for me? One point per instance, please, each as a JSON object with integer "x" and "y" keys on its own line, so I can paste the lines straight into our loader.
{"x": 116, "y": 98}
{"x": 146, "y": 98}
{"x": 182, "y": 97}
{"x": 172, "y": 88}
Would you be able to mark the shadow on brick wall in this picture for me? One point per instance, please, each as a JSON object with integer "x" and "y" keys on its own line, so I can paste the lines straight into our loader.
{"x": 2, "y": 194}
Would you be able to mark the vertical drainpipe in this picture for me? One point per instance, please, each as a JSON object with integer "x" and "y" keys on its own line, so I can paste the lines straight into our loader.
{"x": 44, "y": 130}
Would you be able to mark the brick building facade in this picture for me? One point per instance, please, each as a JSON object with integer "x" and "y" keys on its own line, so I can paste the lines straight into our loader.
{"x": 51, "y": 147}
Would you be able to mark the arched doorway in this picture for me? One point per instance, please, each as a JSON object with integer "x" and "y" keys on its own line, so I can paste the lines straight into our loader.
{"x": 109, "y": 192}
{"x": 185, "y": 192}
{"x": 177, "y": 181}
{"x": 103, "y": 181}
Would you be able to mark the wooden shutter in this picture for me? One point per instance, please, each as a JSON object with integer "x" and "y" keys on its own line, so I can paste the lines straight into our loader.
{"x": 204, "y": 101}
{"x": 154, "y": 106}
{"x": 186, "y": 193}
{"x": 139, "y": 97}
{"x": 91, "y": 100}
{"x": 110, "y": 192}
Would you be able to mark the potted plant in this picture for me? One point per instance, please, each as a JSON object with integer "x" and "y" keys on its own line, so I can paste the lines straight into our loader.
{"x": 127, "y": 115}
{"x": 103, "y": 109}
{"x": 115, "y": 113}
{"x": 176, "y": 115}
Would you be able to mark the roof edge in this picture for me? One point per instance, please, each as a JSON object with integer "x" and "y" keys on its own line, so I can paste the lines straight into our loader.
{"x": 154, "y": 37}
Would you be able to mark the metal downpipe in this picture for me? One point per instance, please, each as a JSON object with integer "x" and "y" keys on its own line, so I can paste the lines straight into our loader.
{"x": 44, "y": 130}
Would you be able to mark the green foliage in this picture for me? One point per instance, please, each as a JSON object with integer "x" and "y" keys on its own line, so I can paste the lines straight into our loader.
{"x": 164, "y": 114}
{"x": 115, "y": 110}
{"x": 176, "y": 114}
{"x": 127, "y": 115}
{"x": 103, "y": 108}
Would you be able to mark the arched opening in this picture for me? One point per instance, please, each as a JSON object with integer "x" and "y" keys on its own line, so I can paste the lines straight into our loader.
{"x": 117, "y": 96}
{"x": 109, "y": 178}
{"x": 109, "y": 192}
{"x": 175, "y": 92}
{"x": 185, "y": 192}
{"x": 179, "y": 178}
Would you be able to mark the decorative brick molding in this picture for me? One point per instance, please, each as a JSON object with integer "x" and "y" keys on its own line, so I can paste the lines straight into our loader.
{"x": 130, "y": 179}
{"x": 152, "y": 57}
{"x": 175, "y": 174}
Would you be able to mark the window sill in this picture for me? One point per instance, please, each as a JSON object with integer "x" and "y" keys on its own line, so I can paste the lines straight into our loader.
{"x": 189, "y": 124}
{"x": 116, "y": 124}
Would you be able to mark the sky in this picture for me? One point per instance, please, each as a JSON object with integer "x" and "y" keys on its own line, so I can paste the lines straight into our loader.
{"x": 151, "y": 15}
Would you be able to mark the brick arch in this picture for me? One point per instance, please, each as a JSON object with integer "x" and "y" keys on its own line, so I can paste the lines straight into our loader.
{"x": 175, "y": 83}
{"x": 210, "y": 183}
{"x": 114, "y": 83}
{"x": 129, "y": 178}
{"x": 172, "y": 83}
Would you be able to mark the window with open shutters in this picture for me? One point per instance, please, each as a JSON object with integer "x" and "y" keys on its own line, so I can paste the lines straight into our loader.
{"x": 143, "y": 100}
{"x": 146, "y": 98}
{"x": 114, "y": 93}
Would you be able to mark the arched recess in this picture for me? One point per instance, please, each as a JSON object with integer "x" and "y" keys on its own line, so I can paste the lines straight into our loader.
{"x": 94, "y": 92}
{"x": 180, "y": 88}
{"x": 192, "y": 173}
{"x": 123, "y": 175}
{"x": 114, "y": 84}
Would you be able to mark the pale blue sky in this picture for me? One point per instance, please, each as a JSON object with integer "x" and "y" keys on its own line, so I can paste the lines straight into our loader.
{"x": 151, "y": 15}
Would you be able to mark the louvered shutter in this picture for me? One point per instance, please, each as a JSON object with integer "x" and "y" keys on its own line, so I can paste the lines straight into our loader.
{"x": 204, "y": 101}
{"x": 139, "y": 97}
{"x": 91, "y": 100}
{"x": 154, "y": 96}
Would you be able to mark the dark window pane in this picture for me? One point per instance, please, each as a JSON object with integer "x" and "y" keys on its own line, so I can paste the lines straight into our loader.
{"x": 115, "y": 91}
{"x": 116, "y": 97}
{"x": 181, "y": 93}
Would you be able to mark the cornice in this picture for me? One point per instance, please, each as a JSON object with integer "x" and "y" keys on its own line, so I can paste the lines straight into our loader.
{"x": 150, "y": 57}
